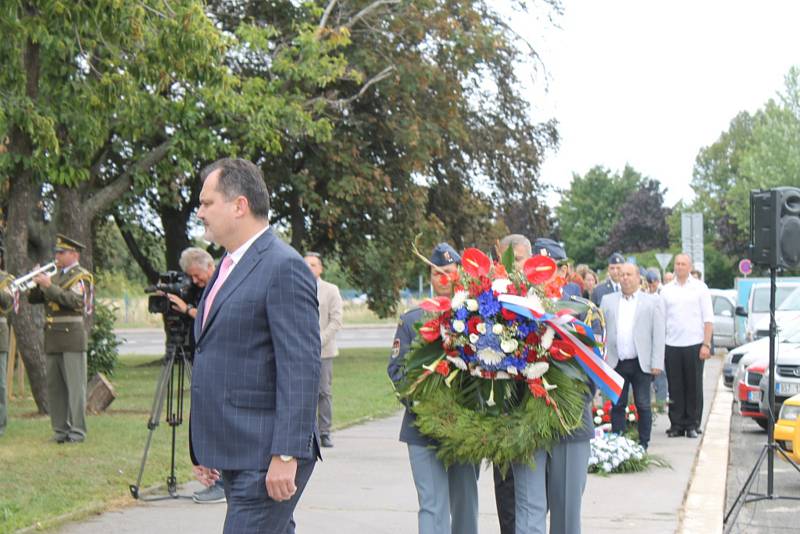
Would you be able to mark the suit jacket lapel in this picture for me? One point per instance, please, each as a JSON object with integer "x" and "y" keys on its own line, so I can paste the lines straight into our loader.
{"x": 237, "y": 276}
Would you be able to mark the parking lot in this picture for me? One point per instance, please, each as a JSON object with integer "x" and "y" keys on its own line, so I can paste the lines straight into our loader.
{"x": 769, "y": 516}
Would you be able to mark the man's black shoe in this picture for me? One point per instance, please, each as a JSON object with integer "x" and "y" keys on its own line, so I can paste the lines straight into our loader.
{"x": 59, "y": 439}
{"x": 673, "y": 433}
{"x": 325, "y": 441}
{"x": 691, "y": 433}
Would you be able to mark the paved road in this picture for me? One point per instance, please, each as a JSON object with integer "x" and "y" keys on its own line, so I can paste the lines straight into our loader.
{"x": 769, "y": 516}
{"x": 151, "y": 340}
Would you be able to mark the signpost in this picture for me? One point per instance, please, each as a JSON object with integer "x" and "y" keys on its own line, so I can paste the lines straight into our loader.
{"x": 692, "y": 239}
{"x": 746, "y": 267}
{"x": 663, "y": 259}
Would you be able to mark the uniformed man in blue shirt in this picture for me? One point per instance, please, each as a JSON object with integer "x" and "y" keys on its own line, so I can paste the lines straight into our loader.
{"x": 448, "y": 498}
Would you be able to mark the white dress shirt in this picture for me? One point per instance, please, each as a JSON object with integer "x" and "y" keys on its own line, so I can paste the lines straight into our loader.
{"x": 237, "y": 254}
{"x": 626, "y": 349}
{"x": 687, "y": 308}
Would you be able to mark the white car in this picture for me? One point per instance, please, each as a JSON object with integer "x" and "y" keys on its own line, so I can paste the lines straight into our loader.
{"x": 787, "y": 311}
{"x": 787, "y": 378}
{"x": 724, "y": 304}
{"x": 735, "y": 359}
{"x": 757, "y": 312}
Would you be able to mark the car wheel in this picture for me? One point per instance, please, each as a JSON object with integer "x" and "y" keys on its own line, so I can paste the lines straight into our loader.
{"x": 762, "y": 422}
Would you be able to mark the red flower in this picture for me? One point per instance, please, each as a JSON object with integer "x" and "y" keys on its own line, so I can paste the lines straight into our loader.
{"x": 500, "y": 270}
{"x": 553, "y": 289}
{"x": 508, "y": 315}
{"x": 443, "y": 368}
{"x": 539, "y": 269}
{"x": 475, "y": 262}
{"x": 472, "y": 324}
{"x": 468, "y": 350}
{"x": 430, "y": 331}
{"x": 532, "y": 339}
{"x": 538, "y": 390}
{"x": 435, "y": 304}
{"x": 475, "y": 289}
{"x": 486, "y": 284}
{"x": 561, "y": 350}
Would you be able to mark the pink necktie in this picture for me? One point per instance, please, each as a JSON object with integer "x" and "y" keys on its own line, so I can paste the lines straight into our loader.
{"x": 224, "y": 270}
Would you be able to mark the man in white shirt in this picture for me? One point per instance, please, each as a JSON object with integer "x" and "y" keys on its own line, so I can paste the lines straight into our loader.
{"x": 690, "y": 316}
{"x": 635, "y": 346}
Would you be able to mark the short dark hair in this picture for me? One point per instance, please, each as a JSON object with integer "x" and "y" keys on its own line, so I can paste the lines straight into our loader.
{"x": 314, "y": 255}
{"x": 241, "y": 177}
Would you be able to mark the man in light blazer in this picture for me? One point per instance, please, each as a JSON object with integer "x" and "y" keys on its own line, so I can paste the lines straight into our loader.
{"x": 330, "y": 322}
{"x": 255, "y": 378}
{"x": 635, "y": 332}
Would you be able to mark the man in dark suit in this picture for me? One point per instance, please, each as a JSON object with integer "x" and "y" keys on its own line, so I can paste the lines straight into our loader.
{"x": 255, "y": 379}
{"x": 612, "y": 282}
{"x": 635, "y": 327}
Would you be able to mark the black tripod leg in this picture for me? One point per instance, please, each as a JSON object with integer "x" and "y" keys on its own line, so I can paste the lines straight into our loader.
{"x": 155, "y": 414}
{"x": 740, "y": 498}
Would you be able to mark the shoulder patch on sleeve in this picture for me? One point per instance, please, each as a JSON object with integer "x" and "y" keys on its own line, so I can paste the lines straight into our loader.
{"x": 396, "y": 348}
{"x": 77, "y": 288}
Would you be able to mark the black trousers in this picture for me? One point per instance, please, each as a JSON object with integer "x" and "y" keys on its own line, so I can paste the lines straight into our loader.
{"x": 504, "y": 498}
{"x": 685, "y": 379}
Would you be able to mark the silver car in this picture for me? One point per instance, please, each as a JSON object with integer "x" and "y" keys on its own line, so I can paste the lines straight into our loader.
{"x": 724, "y": 304}
{"x": 787, "y": 376}
{"x": 760, "y": 347}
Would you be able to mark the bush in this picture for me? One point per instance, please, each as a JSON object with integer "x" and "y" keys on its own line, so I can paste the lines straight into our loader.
{"x": 102, "y": 354}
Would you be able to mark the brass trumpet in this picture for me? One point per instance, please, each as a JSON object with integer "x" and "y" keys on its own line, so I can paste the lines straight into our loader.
{"x": 25, "y": 283}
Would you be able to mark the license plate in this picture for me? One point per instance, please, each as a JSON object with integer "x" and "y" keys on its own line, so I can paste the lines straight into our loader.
{"x": 788, "y": 389}
{"x": 753, "y": 396}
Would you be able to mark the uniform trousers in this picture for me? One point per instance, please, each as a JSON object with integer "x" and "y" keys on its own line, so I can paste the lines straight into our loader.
{"x": 565, "y": 481}
{"x": 448, "y": 498}
{"x": 250, "y": 508}
{"x": 325, "y": 403}
{"x": 685, "y": 377}
{"x": 3, "y": 392}
{"x": 66, "y": 394}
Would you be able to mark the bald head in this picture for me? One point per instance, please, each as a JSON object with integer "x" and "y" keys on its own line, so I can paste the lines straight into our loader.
{"x": 629, "y": 278}
{"x": 683, "y": 266}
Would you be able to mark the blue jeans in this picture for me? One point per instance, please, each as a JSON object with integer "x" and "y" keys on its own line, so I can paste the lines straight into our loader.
{"x": 632, "y": 372}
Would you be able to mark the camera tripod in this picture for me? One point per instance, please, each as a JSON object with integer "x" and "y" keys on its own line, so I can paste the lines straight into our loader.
{"x": 170, "y": 389}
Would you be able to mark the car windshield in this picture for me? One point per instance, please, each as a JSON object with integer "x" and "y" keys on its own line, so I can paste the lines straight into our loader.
{"x": 791, "y": 334}
{"x": 784, "y": 296}
{"x": 790, "y": 302}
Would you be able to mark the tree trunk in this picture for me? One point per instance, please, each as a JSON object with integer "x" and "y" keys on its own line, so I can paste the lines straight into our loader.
{"x": 74, "y": 220}
{"x": 28, "y": 322}
{"x": 175, "y": 223}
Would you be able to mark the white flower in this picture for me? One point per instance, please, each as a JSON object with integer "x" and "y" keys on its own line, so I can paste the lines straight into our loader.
{"x": 458, "y": 362}
{"x": 502, "y": 375}
{"x": 598, "y": 420}
{"x": 512, "y": 370}
{"x": 509, "y": 345}
{"x": 458, "y": 299}
{"x": 631, "y": 417}
{"x": 481, "y": 328}
{"x": 600, "y": 411}
{"x": 490, "y": 356}
{"x": 459, "y": 326}
{"x": 547, "y": 338}
{"x": 472, "y": 304}
{"x": 535, "y": 370}
{"x": 476, "y": 371}
{"x": 500, "y": 285}
{"x": 473, "y": 338}
{"x": 606, "y": 467}
{"x": 497, "y": 329}
{"x": 536, "y": 304}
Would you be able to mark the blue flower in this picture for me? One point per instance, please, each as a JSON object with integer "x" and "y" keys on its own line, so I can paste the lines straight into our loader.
{"x": 488, "y": 304}
{"x": 462, "y": 313}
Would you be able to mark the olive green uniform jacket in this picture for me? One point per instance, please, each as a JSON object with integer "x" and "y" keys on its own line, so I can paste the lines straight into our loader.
{"x": 64, "y": 300}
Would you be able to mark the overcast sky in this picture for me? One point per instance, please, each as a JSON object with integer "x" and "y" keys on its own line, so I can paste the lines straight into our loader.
{"x": 651, "y": 83}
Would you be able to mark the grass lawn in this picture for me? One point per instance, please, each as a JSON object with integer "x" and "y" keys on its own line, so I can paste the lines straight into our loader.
{"x": 41, "y": 482}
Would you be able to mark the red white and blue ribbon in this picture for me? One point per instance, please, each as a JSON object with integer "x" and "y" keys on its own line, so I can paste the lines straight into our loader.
{"x": 608, "y": 380}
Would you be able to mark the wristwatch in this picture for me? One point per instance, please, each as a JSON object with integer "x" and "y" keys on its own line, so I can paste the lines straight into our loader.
{"x": 189, "y": 308}
{"x": 286, "y": 458}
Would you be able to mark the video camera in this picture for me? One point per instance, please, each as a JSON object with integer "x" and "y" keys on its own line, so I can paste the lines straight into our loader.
{"x": 178, "y": 325}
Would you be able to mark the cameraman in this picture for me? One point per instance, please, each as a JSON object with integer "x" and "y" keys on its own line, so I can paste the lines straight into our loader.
{"x": 199, "y": 266}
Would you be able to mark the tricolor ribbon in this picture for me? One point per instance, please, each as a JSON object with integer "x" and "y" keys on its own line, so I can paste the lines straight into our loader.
{"x": 608, "y": 380}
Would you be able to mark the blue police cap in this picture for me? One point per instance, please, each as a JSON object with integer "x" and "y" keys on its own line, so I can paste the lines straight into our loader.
{"x": 651, "y": 277}
{"x": 616, "y": 259}
{"x": 548, "y": 247}
{"x": 443, "y": 254}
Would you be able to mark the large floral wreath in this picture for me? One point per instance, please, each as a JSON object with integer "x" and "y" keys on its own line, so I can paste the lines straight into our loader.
{"x": 494, "y": 372}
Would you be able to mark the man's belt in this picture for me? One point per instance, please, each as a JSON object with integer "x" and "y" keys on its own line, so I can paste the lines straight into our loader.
{"x": 67, "y": 319}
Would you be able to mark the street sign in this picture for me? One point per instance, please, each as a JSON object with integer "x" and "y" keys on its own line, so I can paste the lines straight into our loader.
{"x": 745, "y": 267}
{"x": 663, "y": 259}
{"x": 692, "y": 238}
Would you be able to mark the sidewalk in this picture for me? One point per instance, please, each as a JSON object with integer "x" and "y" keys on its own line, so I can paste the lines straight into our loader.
{"x": 364, "y": 486}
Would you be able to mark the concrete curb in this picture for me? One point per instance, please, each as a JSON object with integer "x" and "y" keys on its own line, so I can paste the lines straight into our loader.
{"x": 704, "y": 506}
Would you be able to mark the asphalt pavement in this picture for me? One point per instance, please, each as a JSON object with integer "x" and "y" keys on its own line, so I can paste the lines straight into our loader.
{"x": 747, "y": 440}
{"x": 364, "y": 485}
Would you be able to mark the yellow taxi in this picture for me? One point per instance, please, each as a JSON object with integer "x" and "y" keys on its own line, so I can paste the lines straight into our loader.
{"x": 787, "y": 428}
